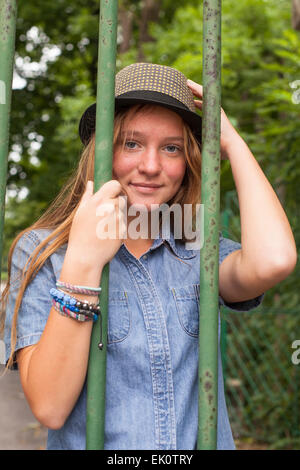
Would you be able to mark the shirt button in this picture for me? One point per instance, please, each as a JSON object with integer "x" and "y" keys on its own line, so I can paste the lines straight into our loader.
{"x": 145, "y": 257}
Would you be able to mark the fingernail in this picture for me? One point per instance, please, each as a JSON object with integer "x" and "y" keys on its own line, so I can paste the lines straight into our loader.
{"x": 190, "y": 82}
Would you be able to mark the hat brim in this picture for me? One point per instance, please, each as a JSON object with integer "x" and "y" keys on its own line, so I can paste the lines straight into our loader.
{"x": 132, "y": 98}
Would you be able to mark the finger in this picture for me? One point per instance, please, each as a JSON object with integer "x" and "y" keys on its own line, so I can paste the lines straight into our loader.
{"x": 119, "y": 203}
{"x": 196, "y": 88}
{"x": 106, "y": 209}
{"x": 198, "y": 104}
{"x": 122, "y": 228}
{"x": 110, "y": 189}
{"x": 122, "y": 202}
{"x": 88, "y": 191}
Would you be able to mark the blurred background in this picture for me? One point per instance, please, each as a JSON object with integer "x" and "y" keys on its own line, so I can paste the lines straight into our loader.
{"x": 55, "y": 80}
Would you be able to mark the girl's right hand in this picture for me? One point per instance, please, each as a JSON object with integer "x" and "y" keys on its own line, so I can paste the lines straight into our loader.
{"x": 98, "y": 228}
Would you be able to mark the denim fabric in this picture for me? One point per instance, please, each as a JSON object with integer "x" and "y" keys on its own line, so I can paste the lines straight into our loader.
{"x": 152, "y": 352}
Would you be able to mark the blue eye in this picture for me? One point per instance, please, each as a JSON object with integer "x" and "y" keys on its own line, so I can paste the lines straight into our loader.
{"x": 130, "y": 144}
{"x": 172, "y": 148}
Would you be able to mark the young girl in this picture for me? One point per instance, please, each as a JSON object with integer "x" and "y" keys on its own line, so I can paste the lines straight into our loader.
{"x": 152, "y": 349}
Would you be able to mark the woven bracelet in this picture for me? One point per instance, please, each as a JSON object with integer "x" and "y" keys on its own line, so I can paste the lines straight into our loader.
{"x": 78, "y": 289}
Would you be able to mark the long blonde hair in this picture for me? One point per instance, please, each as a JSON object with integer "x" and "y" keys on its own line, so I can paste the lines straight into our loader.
{"x": 59, "y": 215}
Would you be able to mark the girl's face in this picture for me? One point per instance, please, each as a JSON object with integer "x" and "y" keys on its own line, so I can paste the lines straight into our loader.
{"x": 151, "y": 164}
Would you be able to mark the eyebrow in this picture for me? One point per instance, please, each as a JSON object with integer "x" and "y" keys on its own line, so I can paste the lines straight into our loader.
{"x": 131, "y": 133}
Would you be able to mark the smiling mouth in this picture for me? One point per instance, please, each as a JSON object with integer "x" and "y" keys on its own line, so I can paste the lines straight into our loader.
{"x": 144, "y": 187}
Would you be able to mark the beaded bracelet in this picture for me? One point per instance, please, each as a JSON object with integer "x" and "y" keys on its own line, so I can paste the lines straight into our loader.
{"x": 78, "y": 289}
{"x": 64, "y": 310}
{"x": 88, "y": 315}
{"x": 61, "y": 300}
{"x": 67, "y": 299}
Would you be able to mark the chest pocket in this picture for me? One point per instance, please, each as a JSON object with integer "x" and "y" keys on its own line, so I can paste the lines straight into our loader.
{"x": 118, "y": 316}
{"x": 187, "y": 301}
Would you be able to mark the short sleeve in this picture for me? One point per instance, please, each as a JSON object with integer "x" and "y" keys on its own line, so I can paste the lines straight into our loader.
{"x": 36, "y": 301}
{"x": 227, "y": 246}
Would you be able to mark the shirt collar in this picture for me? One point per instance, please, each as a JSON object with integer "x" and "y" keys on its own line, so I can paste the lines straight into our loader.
{"x": 177, "y": 246}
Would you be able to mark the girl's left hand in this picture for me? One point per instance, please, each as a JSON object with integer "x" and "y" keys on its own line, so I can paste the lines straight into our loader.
{"x": 228, "y": 132}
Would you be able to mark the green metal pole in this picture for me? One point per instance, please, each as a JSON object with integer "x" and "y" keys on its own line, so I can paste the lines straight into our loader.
{"x": 103, "y": 172}
{"x": 209, "y": 266}
{"x": 8, "y": 14}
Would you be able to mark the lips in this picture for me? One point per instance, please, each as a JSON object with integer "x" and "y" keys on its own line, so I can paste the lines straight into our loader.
{"x": 145, "y": 187}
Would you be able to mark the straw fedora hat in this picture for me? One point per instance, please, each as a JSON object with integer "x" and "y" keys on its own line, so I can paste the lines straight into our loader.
{"x": 145, "y": 83}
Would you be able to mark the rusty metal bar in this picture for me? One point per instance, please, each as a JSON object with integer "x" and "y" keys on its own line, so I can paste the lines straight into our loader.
{"x": 105, "y": 109}
{"x": 209, "y": 265}
{"x": 8, "y": 15}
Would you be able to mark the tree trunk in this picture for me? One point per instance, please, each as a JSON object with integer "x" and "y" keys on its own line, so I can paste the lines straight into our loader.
{"x": 149, "y": 13}
{"x": 126, "y": 23}
{"x": 296, "y": 14}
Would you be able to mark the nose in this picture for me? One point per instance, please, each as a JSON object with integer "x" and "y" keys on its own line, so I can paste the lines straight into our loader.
{"x": 150, "y": 162}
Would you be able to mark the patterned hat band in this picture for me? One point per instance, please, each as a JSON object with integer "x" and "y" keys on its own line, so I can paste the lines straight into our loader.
{"x": 144, "y": 83}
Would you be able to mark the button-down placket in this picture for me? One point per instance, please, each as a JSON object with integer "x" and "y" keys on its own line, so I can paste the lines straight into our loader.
{"x": 159, "y": 349}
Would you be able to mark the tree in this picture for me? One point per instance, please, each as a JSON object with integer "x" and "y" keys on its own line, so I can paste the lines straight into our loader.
{"x": 296, "y": 14}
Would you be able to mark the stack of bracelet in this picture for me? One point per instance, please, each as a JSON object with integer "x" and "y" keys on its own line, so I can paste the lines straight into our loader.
{"x": 74, "y": 308}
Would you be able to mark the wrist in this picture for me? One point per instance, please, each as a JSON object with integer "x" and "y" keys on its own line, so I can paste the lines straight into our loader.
{"x": 232, "y": 145}
{"x": 78, "y": 270}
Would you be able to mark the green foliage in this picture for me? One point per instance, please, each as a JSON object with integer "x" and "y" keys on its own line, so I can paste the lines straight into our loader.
{"x": 262, "y": 383}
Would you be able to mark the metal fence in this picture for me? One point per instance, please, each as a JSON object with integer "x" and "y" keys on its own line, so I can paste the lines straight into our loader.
{"x": 262, "y": 384}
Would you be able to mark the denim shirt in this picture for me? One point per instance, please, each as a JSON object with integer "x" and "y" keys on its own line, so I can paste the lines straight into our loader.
{"x": 152, "y": 349}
